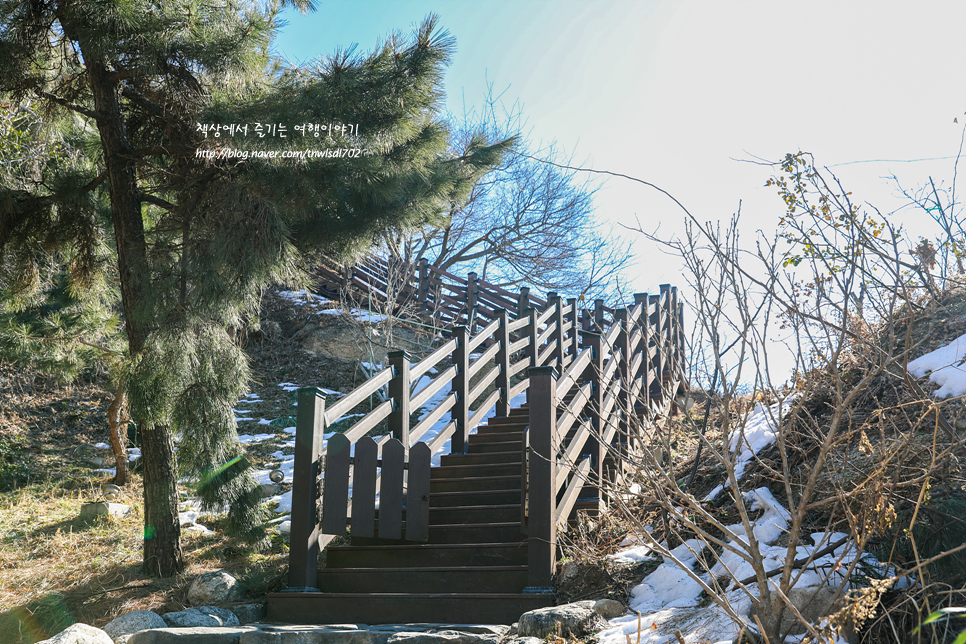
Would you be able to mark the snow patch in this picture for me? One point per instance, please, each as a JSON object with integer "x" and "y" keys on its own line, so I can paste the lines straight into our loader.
{"x": 945, "y": 368}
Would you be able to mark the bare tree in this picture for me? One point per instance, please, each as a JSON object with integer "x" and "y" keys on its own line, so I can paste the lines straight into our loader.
{"x": 861, "y": 455}
{"x": 526, "y": 222}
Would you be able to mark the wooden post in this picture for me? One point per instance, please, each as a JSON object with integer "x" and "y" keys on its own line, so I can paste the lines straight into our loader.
{"x": 541, "y": 529}
{"x": 599, "y": 315}
{"x": 624, "y": 400}
{"x": 573, "y": 347}
{"x": 658, "y": 329}
{"x": 503, "y": 360}
{"x": 523, "y": 301}
{"x": 399, "y": 393}
{"x": 303, "y": 554}
{"x": 531, "y": 331}
{"x": 471, "y": 297}
{"x": 673, "y": 331}
{"x": 642, "y": 325}
{"x": 594, "y": 445}
{"x": 461, "y": 385}
{"x": 682, "y": 342}
{"x": 557, "y": 322}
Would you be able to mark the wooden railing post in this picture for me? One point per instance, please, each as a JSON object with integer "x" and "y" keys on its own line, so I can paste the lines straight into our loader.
{"x": 682, "y": 343}
{"x": 644, "y": 348}
{"x": 399, "y": 393}
{"x": 557, "y": 322}
{"x": 541, "y": 529}
{"x": 503, "y": 360}
{"x": 594, "y": 445}
{"x": 532, "y": 332}
{"x": 461, "y": 386}
{"x": 599, "y": 315}
{"x": 523, "y": 301}
{"x": 303, "y": 553}
{"x": 624, "y": 399}
{"x": 573, "y": 346}
{"x": 471, "y": 300}
{"x": 657, "y": 329}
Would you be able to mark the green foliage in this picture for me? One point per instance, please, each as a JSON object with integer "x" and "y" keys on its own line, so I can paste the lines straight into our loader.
{"x": 141, "y": 198}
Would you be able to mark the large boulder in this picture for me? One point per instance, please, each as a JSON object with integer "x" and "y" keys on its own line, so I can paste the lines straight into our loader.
{"x": 568, "y": 620}
{"x": 129, "y": 623}
{"x": 216, "y": 587}
{"x": 79, "y": 634}
{"x": 201, "y": 616}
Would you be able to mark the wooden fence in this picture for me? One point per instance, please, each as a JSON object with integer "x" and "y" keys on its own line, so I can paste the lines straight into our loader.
{"x": 588, "y": 376}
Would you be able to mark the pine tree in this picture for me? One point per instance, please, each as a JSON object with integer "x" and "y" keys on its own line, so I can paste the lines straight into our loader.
{"x": 197, "y": 232}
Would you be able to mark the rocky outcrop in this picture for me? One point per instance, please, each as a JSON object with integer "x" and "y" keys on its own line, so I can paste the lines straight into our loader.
{"x": 201, "y": 616}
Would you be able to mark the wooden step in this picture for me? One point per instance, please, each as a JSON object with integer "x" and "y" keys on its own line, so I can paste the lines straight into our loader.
{"x": 496, "y": 532}
{"x": 474, "y": 497}
{"x": 456, "y": 579}
{"x": 503, "y": 423}
{"x": 416, "y": 555}
{"x": 475, "y": 483}
{"x": 475, "y": 471}
{"x": 475, "y": 514}
{"x": 390, "y": 608}
{"x": 481, "y": 458}
{"x": 485, "y": 447}
{"x": 458, "y": 533}
{"x": 496, "y": 437}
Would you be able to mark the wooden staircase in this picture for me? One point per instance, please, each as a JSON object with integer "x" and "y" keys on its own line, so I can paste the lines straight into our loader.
{"x": 473, "y": 568}
{"x": 473, "y": 539}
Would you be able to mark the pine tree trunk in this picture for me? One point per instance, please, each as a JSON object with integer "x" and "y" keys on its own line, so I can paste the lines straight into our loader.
{"x": 162, "y": 531}
{"x": 116, "y": 417}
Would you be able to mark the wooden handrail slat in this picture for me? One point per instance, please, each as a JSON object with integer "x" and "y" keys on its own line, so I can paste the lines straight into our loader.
{"x": 356, "y": 396}
{"x": 485, "y": 382}
{"x": 517, "y": 367}
{"x": 567, "y": 459}
{"x": 518, "y": 324}
{"x": 367, "y": 422}
{"x": 480, "y": 413}
{"x": 547, "y": 352}
{"x": 440, "y": 439}
{"x": 518, "y": 388}
{"x": 484, "y": 358}
{"x": 521, "y": 343}
{"x": 573, "y": 372}
{"x": 572, "y": 412}
{"x": 483, "y": 335}
{"x": 571, "y": 495}
{"x": 427, "y": 392}
{"x": 417, "y": 370}
{"x": 423, "y": 425}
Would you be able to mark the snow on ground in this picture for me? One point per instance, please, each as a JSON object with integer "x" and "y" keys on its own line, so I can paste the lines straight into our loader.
{"x": 945, "y": 368}
{"x": 756, "y": 434}
{"x": 257, "y": 438}
{"x": 669, "y": 598}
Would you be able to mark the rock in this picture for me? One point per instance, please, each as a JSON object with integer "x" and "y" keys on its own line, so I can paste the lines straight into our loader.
{"x": 525, "y": 640}
{"x": 217, "y": 587}
{"x": 206, "y": 616}
{"x": 139, "y": 620}
{"x": 609, "y": 608}
{"x": 443, "y": 637}
{"x": 221, "y": 635}
{"x": 567, "y": 620}
{"x": 79, "y": 634}
{"x": 312, "y": 635}
{"x": 248, "y": 613}
{"x": 124, "y": 639}
{"x": 102, "y": 508}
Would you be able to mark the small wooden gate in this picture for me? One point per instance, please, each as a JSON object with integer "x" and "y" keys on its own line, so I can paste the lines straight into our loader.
{"x": 397, "y": 491}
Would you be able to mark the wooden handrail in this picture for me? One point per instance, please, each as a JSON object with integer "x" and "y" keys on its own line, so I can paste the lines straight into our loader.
{"x": 608, "y": 358}
{"x": 356, "y": 396}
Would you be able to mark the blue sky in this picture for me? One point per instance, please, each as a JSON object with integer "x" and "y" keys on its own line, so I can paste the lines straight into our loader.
{"x": 675, "y": 92}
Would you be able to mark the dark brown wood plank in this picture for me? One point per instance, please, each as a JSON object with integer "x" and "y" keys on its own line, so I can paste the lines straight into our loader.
{"x": 417, "y": 496}
{"x": 335, "y": 501}
{"x": 391, "y": 490}
{"x": 364, "y": 488}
